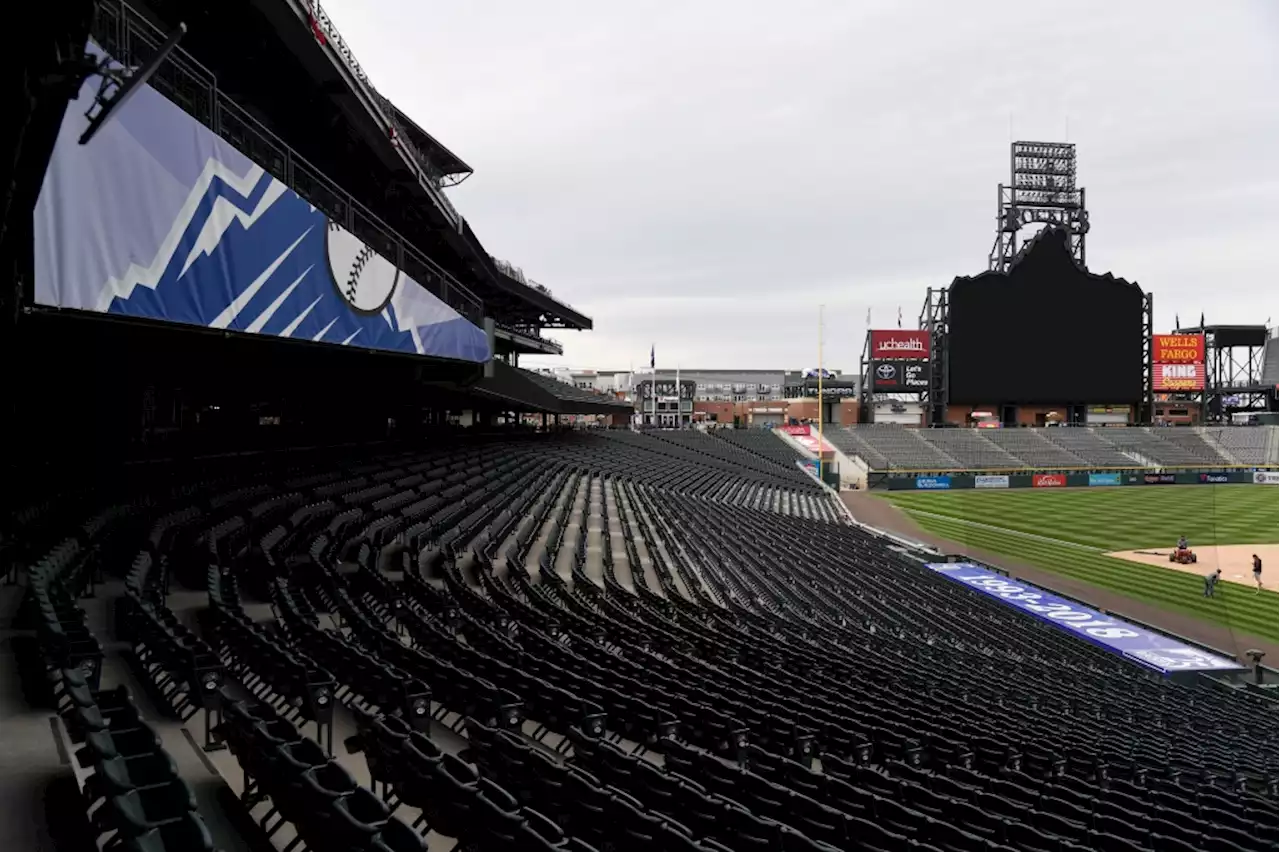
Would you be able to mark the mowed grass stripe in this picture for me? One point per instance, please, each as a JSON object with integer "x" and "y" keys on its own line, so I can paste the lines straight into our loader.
{"x": 1125, "y": 518}
{"x": 1236, "y": 607}
{"x": 969, "y": 522}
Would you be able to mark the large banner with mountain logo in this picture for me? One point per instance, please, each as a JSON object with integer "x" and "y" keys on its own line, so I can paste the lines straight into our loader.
{"x": 158, "y": 218}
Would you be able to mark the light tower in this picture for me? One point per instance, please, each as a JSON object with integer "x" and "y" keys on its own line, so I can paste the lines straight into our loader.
{"x": 1041, "y": 191}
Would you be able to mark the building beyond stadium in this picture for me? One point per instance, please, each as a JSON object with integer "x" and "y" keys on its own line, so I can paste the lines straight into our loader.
{"x": 745, "y": 398}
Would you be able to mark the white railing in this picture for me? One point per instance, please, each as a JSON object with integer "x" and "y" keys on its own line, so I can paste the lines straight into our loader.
{"x": 517, "y": 274}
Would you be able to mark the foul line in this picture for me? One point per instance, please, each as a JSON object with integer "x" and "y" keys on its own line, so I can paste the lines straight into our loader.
{"x": 1020, "y": 533}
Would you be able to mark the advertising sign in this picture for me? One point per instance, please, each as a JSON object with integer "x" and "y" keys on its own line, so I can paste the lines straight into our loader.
{"x": 1266, "y": 477}
{"x": 802, "y": 429}
{"x": 809, "y": 441}
{"x": 1150, "y": 649}
{"x": 1160, "y": 479}
{"x": 161, "y": 219}
{"x": 933, "y": 483}
{"x": 1177, "y": 377}
{"x": 1049, "y": 480}
{"x": 836, "y": 387}
{"x": 1216, "y": 478}
{"x": 1104, "y": 479}
{"x": 900, "y": 376}
{"x": 899, "y": 344}
{"x": 991, "y": 482}
{"x": 1177, "y": 349}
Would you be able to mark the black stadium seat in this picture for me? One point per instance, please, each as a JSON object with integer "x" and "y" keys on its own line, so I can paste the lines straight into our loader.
{"x": 646, "y": 642}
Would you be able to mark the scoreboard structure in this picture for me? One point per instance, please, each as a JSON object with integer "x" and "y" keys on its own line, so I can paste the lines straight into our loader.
{"x": 1177, "y": 363}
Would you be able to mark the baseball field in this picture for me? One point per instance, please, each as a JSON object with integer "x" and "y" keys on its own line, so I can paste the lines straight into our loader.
{"x": 1091, "y": 535}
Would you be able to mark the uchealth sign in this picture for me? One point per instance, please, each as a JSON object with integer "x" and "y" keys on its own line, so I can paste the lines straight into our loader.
{"x": 899, "y": 344}
{"x": 1049, "y": 480}
{"x": 1144, "y": 647}
{"x": 991, "y": 482}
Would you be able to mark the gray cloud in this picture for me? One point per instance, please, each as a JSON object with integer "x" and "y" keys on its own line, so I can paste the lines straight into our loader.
{"x": 703, "y": 176}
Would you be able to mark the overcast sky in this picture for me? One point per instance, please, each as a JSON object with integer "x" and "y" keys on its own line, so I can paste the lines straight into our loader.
{"x": 703, "y": 175}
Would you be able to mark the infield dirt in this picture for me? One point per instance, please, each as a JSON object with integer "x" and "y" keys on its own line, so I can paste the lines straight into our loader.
{"x": 1235, "y": 560}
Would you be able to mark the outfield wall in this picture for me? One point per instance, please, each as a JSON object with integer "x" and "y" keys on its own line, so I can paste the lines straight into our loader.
{"x": 964, "y": 481}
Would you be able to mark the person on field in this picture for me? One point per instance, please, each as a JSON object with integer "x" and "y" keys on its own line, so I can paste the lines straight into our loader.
{"x": 1211, "y": 581}
{"x": 1182, "y": 542}
{"x": 1257, "y": 573}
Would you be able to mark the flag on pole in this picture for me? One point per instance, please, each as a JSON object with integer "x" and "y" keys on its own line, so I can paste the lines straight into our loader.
{"x": 899, "y": 316}
{"x": 1177, "y": 323}
{"x": 652, "y": 363}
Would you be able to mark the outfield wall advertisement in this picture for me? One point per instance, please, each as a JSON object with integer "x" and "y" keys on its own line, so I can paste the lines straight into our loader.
{"x": 1153, "y": 650}
{"x": 991, "y": 482}
{"x": 962, "y": 481}
{"x": 933, "y": 483}
{"x": 158, "y": 218}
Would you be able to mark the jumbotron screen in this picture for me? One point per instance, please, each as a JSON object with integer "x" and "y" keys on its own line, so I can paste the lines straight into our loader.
{"x": 1045, "y": 333}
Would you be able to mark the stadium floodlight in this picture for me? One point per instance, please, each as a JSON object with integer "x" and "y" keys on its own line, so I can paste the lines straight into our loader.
{"x": 1042, "y": 190}
{"x": 117, "y": 85}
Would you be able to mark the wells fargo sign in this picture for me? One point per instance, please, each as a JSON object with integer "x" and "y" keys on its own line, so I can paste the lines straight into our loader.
{"x": 1177, "y": 349}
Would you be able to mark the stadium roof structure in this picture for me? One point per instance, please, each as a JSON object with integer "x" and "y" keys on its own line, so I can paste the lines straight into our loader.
{"x": 292, "y": 72}
{"x": 523, "y": 390}
{"x": 1231, "y": 335}
{"x": 412, "y": 152}
{"x": 451, "y": 166}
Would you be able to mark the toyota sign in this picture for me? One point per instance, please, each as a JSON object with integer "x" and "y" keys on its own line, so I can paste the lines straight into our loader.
{"x": 900, "y": 377}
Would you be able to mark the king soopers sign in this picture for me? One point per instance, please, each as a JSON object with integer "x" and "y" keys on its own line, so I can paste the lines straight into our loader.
{"x": 1150, "y": 649}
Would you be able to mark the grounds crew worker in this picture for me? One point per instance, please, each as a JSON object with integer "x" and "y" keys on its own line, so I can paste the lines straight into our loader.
{"x": 1257, "y": 573}
{"x": 1182, "y": 542}
{"x": 1211, "y": 580}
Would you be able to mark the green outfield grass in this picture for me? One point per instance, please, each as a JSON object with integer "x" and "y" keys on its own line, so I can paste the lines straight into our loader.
{"x": 1068, "y": 531}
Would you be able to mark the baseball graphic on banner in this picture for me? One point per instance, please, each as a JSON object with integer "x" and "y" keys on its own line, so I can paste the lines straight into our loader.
{"x": 365, "y": 278}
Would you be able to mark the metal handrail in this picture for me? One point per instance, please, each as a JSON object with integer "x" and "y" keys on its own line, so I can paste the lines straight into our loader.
{"x": 129, "y": 38}
{"x": 529, "y": 334}
{"x": 517, "y": 274}
{"x": 427, "y": 170}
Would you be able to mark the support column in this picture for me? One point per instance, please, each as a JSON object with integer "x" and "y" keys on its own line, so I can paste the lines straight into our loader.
{"x": 490, "y": 334}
